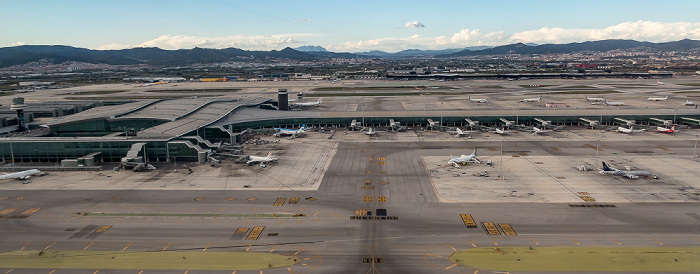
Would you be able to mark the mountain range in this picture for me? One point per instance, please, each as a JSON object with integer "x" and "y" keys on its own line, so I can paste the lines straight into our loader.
{"x": 18, "y": 55}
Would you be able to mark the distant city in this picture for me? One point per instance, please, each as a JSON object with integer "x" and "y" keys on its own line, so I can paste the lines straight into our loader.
{"x": 28, "y": 67}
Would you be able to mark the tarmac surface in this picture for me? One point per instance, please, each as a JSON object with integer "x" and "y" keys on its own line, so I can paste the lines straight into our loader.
{"x": 333, "y": 185}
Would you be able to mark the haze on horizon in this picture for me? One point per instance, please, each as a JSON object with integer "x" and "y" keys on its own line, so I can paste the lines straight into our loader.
{"x": 344, "y": 26}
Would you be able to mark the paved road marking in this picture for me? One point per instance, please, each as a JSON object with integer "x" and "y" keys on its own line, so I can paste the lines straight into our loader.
{"x": 367, "y": 199}
{"x": 468, "y": 220}
{"x": 507, "y": 229}
{"x": 360, "y": 212}
{"x": 166, "y": 247}
{"x": 536, "y": 243}
{"x": 451, "y": 266}
{"x": 491, "y": 229}
{"x": 205, "y": 248}
{"x": 575, "y": 241}
{"x": 104, "y": 228}
{"x": 89, "y": 245}
{"x": 8, "y": 211}
{"x": 280, "y": 201}
{"x": 255, "y": 233}
{"x": 294, "y": 200}
{"x": 381, "y": 199}
{"x": 30, "y": 211}
{"x": 127, "y": 246}
{"x": 617, "y": 241}
{"x": 45, "y": 248}
{"x": 242, "y": 230}
{"x": 472, "y": 244}
{"x": 658, "y": 242}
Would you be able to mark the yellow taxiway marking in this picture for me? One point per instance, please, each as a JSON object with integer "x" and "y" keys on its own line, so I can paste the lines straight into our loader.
{"x": 212, "y": 221}
{"x": 290, "y": 270}
{"x": 472, "y": 244}
{"x": 575, "y": 241}
{"x": 451, "y": 266}
{"x": 8, "y": 211}
{"x": 300, "y": 250}
{"x": 316, "y": 218}
{"x": 52, "y": 271}
{"x": 4, "y": 198}
{"x": 617, "y": 241}
{"x": 248, "y": 247}
{"x": 117, "y": 219}
{"x": 246, "y": 221}
{"x": 166, "y": 247}
{"x": 140, "y": 272}
{"x": 494, "y": 242}
{"x": 180, "y": 220}
{"x": 25, "y": 246}
{"x": 89, "y": 245}
{"x": 660, "y": 243}
{"x": 452, "y": 248}
{"x": 316, "y": 213}
{"x": 45, "y": 248}
{"x": 273, "y": 249}
{"x": 96, "y": 271}
{"x": 205, "y": 248}
{"x": 9, "y": 271}
{"x": 127, "y": 246}
{"x": 30, "y": 211}
{"x": 536, "y": 243}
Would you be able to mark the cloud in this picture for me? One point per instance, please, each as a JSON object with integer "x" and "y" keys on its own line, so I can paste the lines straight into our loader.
{"x": 639, "y": 30}
{"x": 414, "y": 24}
{"x": 258, "y": 42}
{"x": 18, "y": 44}
{"x": 302, "y": 20}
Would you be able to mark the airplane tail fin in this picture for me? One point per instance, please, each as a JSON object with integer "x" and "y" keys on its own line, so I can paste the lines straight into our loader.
{"x": 320, "y": 100}
{"x": 540, "y": 98}
{"x": 673, "y": 128}
{"x": 606, "y": 167}
{"x": 303, "y": 126}
{"x": 269, "y": 154}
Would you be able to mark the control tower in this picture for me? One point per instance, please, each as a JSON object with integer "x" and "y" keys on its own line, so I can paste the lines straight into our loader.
{"x": 19, "y": 106}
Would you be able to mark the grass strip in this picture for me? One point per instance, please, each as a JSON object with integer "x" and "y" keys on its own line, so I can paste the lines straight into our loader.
{"x": 224, "y": 215}
{"x": 145, "y": 260}
{"x": 582, "y": 259}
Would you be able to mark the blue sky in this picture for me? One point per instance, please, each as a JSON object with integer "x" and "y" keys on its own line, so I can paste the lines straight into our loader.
{"x": 351, "y": 26}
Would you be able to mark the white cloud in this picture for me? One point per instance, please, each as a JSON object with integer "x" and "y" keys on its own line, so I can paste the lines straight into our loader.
{"x": 258, "y": 42}
{"x": 302, "y": 20}
{"x": 414, "y": 24}
{"x": 18, "y": 44}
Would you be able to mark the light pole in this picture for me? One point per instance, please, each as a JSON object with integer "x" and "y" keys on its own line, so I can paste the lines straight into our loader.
{"x": 502, "y": 178}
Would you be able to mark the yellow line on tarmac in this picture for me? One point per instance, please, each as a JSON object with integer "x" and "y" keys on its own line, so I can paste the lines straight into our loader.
{"x": 248, "y": 247}
{"x": 535, "y": 242}
{"x": 96, "y": 271}
{"x": 300, "y": 250}
{"x": 617, "y": 241}
{"x": 140, "y": 271}
{"x": 89, "y": 245}
{"x": 575, "y": 241}
{"x": 494, "y": 242}
{"x": 451, "y": 266}
{"x": 52, "y": 271}
{"x": 205, "y": 248}
{"x": 658, "y": 242}
{"x": 45, "y": 248}
{"x": 23, "y": 247}
{"x": 166, "y": 247}
{"x": 273, "y": 249}
{"x": 452, "y": 247}
{"x": 472, "y": 244}
{"x": 127, "y": 246}
{"x": 9, "y": 271}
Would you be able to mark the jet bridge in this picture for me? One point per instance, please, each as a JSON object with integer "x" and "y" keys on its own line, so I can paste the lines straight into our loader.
{"x": 691, "y": 121}
{"x": 472, "y": 124}
{"x": 625, "y": 122}
{"x": 590, "y": 122}
{"x": 431, "y": 124}
{"x": 666, "y": 123}
{"x": 506, "y": 123}
{"x": 543, "y": 122}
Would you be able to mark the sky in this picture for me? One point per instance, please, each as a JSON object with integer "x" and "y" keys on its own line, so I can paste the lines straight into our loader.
{"x": 340, "y": 25}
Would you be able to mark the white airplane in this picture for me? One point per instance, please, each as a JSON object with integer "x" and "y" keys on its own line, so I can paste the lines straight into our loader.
{"x": 538, "y": 99}
{"x": 592, "y": 99}
{"x": 536, "y": 130}
{"x": 309, "y": 104}
{"x": 657, "y": 98}
{"x": 478, "y": 100}
{"x": 463, "y": 159}
{"x": 371, "y": 132}
{"x": 22, "y": 175}
{"x": 688, "y": 103}
{"x": 614, "y": 103}
{"x": 631, "y": 174}
{"x": 629, "y": 130}
{"x": 292, "y": 132}
{"x": 262, "y": 160}
{"x": 659, "y": 82}
{"x": 500, "y": 131}
{"x": 460, "y": 133}
{"x": 666, "y": 130}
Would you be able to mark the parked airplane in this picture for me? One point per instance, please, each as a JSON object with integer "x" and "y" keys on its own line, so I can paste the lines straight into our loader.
{"x": 464, "y": 159}
{"x": 22, "y": 175}
{"x": 631, "y": 174}
{"x": 629, "y": 130}
{"x": 500, "y": 131}
{"x": 538, "y": 99}
{"x": 666, "y": 130}
{"x": 478, "y": 100}
{"x": 592, "y": 99}
{"x": 371, "y": 132}
{"x": 657, "y": 98}
{"x": 292, "y": 132}
{"x": 536, "y": 131}
{"x": 309, "y": 104}
{"x": 460, "y": 133}
{"x": 659, "y": 82}
{"x": 688, "y": 103}
{"x": 614, "y": 103}
{"x": 262, "y": 160}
